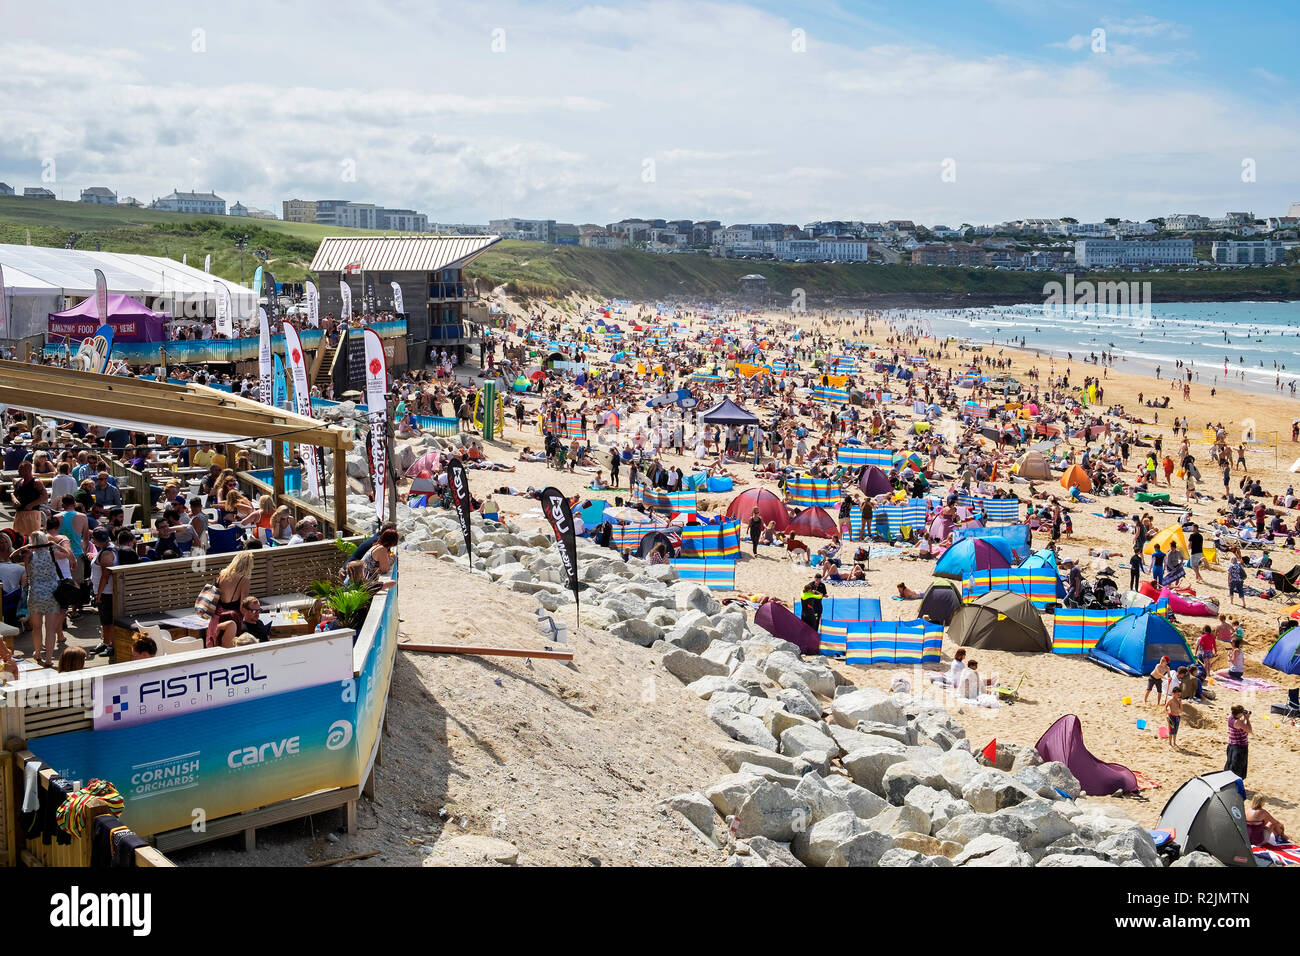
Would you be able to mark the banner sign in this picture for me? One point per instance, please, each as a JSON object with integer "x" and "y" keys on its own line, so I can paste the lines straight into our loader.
{"x": 302, "y": 404}
{"x": 264, "y": 357}
{"x": 101, "y": 297}
{"x": 4, "y": 306}
{"x": 207, "y": 263}
{"x": 377, "y": 403}
{"x": 345, "y": 294}
{"x": 557, "y": 511}
{"x": 94, "y": 351}
{"x": 313, "y": 305}
{"x": 397, "y": 299}
{"x": 225, "y": 319}
{"x": 459, "y": 483}
{"x": 213, "y": 681}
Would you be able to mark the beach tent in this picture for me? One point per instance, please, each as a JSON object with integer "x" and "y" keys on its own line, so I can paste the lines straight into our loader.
{"x": 1134, "y": 644}
{"x": 940, "y": 527}
{"x": 727, "y": 412}
{"x": 1207, "y": 813}
{"x": 778, "y": 621}
{"x": 875, "y": 482}
{"x": 1033, "y": 465}
{"x": 653, "y": 538}
{"x": 1076, "y": 477}
{"x": 132, "y": 321}
{"x": 1167, "y": 539}
{"x": 1063, "y": 742}
{"x": 1284, "y": 655}
{"x": 814, "y": 522}
{"x": 940, "y": 602}
{"x": 974, "y": 554}
{"x": 770, "y": 508}
{"x": 999, "y": 621}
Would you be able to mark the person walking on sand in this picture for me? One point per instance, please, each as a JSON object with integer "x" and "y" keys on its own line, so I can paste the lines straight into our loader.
{"x": 1236, "y": 580}
{"x": 1156, "y": 680}
{"x": 1239, "y": 731}
{"x": 1174, "y": 714}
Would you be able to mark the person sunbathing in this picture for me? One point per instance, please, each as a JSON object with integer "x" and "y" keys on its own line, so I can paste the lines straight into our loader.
{"x": 907, "y": 594}
{"x": 529, "y": 455}
{"x": 1262, "y": 828}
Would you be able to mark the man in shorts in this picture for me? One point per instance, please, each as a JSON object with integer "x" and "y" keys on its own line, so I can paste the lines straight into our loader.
{"x": 1156, "y": 679}
{"x": 1196, "y": 551}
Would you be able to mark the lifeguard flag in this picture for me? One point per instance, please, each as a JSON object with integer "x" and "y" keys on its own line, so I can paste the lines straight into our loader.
{"x": 991, "y": 751}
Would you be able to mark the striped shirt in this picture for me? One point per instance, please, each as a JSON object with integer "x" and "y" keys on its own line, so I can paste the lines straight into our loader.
{"x": 1236, "y": 736}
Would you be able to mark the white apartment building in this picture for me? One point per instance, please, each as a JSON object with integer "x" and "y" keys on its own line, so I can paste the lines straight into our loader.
{"x": 1125, "y": 253}
{"x": 529, "y": 230}
{"x": 1128, "y": 228}
{"x": 1185, "y": 222}
{"x": 1261, "y": 252}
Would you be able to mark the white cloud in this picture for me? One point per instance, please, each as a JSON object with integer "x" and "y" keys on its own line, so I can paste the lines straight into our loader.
{"x": 740, "y": 125}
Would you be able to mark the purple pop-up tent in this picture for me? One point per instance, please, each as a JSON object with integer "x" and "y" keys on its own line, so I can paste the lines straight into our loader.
{"x": 132, "y": 321}
{"x": 1064, "y": 742}
{"x": 780, "y": 622}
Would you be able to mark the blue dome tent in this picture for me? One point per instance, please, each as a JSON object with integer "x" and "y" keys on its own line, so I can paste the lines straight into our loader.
{"x": 1284, "y": 655}
{"x": 1134, "y": 645}
{"x": 974, "y": 554}
{"x": 1045, "y": 558}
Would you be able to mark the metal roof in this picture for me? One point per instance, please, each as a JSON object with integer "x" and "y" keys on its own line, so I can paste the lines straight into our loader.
{"x": 399, "y": 253}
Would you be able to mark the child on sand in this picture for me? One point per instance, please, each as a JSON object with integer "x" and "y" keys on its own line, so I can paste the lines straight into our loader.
{"x": 1156, "y": 679}
{"x": 1174, "y": 711}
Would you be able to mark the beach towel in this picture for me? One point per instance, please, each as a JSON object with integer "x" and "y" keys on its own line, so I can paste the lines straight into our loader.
{"x": 1245, "y": 684}
{"x": 1281, "y": 854}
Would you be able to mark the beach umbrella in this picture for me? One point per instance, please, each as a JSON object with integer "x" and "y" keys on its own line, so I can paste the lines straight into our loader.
{"x": 814, "y": 522}
{"x": 430, "y": 461}
{"x": 770, "y": 508}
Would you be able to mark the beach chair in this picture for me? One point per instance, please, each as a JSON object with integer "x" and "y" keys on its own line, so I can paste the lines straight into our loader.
{"x": 1009, "y": 695}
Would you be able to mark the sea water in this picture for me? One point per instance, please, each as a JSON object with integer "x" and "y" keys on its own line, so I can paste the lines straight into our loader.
{"x": 1250, "y": 345}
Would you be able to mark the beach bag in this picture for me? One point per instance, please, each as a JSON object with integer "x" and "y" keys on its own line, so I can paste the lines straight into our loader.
{"x": 205, "y": 605}
{"x": 66, "y": 592}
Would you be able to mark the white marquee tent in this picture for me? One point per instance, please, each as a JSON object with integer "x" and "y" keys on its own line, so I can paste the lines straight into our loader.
{"x": 40, "y": 280}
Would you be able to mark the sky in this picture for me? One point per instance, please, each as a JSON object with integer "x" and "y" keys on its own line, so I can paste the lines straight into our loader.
{"x": 940, "y": 112}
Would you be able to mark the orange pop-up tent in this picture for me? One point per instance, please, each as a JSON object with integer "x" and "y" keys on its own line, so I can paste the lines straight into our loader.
{"x": 1076, "y": 477}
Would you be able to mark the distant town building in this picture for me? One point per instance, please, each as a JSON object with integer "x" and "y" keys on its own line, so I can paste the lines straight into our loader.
{"x": 528, "y": 230}
{"x": 37, "y": 192}
{"x": 239, "y": 209}
{"x": 950, "y": 254}
{"x": 1128, "y": 229}
{"x": 600, "y": 239}
{"x": 753, "y": 286}
{"x": 132, "y": 201}
{"x": 209, "y": 204}
{"x": 298, "y": 210}
{"x": 1185, "y": 222}
{"x": 6, "y": 189}
{"x": 402, "y": 220}
{"x": 1294, "y": 211}
{"x": 100, "y": 195}
{"x": 1261, "y": 252}
{"x": 1127, "y": 253}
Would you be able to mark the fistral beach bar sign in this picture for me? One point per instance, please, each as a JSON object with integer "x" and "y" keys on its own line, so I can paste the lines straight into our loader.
{"x": 212, "y": 681}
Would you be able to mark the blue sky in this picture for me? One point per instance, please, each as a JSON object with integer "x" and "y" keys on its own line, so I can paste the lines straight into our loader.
{"x": 590, "y": 112}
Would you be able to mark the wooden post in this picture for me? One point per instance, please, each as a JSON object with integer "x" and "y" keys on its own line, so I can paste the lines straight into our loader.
{"x": 340, "y": 490}
{"x": 277, "y": 470}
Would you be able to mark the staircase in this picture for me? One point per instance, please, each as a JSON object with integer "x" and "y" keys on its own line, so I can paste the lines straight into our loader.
{"x": 323, "y": 372}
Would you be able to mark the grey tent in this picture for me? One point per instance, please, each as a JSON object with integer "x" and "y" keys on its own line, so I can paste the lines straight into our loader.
{"x": 999, "y": 621}
{"x": 939, "y": 602}
{"x": 727, "y": 412}
{"x": 1208, "y": 813}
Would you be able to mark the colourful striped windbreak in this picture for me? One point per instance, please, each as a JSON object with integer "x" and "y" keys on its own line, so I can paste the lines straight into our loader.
{"x": 995, "y": 509}
{"x": 705, "y": 377}
{"x": 894, "y": 642}
{"x": 837, "y": 614}
{"x": 843, "y": 364}
{"x": 1036, "y": 584}
{"x": 1077, "y": 630}
{"x": 855, "y": 456}
{"x": 571, "y": 428}
{"x": 895, "y": 517}
{"x": 782, "y": 366}
{"x": 825, "y": 393}
{"x": 711, "y": 540}
{"x": 627, "y": 537}
{"x": 973, "y": 410}
{"x": 714, "y": 573}
{"x": 667, "y": 503}
{"x": 804, "y": 491}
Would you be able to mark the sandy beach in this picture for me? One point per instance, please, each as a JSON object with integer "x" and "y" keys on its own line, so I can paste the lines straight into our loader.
{"x": 1051, "y": 685}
